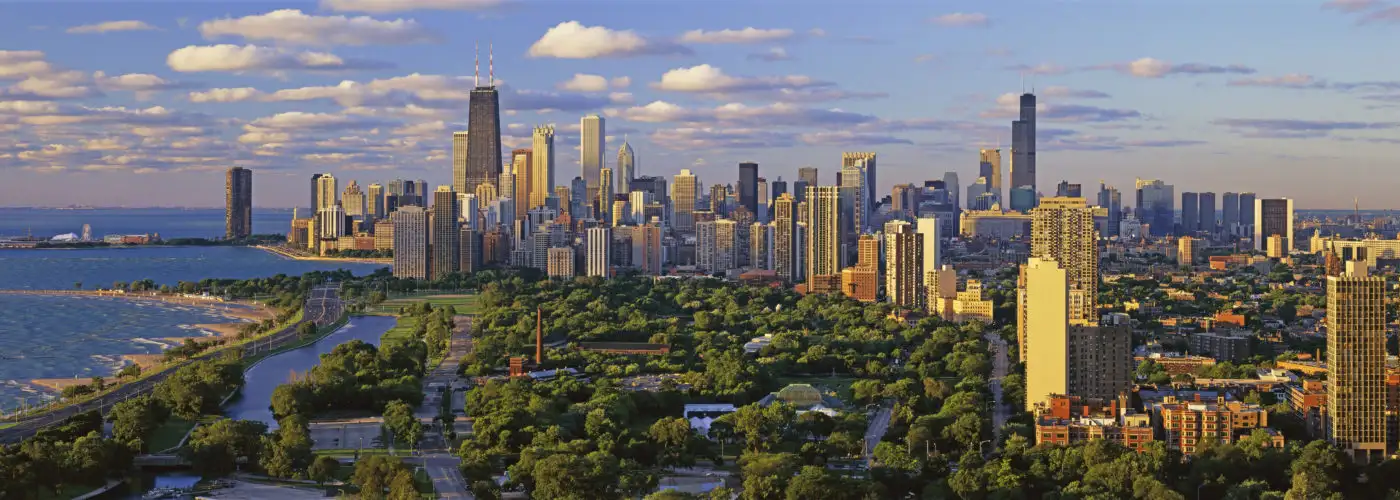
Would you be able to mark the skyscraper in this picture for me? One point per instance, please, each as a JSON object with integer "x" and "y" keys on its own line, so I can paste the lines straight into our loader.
{"x": 784, "y": 242}
{"x": 904, "y": 264}
{"x": 238, "y": 203}
{"x": 410, "y": 242}
{"x": 591, "y": 146}
{"x": 542, "y": 166}
{"x": 1110, "y": 199}
{"x": 626, "y": 166}
{"x": 446, "y": 250}
{"x": 866, "y": 162}
{"x": 855, "y": 207}
{"x": 325, "y": 192}
{"x": 1062, "y": 230}
{"x": 1044, "y": 312}
{"x": 522, "y": 167}
{"x": 472, "y": 248}
{"x": 1206, "y": 213}
{"x": 778, "y": 188}
{"x": 483, "y": 133}
{"x": 1190, "y": 217}
{"x": 1023, "y": 148}
{"x": 1246, "y": 213}
{"x": 1230, "y": 214}
{"x": 823, "y": 253}
{"x": 605, "y": 194}
{"x": 1356, "y": 352}
{"x": 459, "y": 162}
{"x": 989, "y": 166}
{"x": 1156, "y": 205}
{"x": 748, "y": 186}
{"x": 598, "y": 260}
{"x": 1273, "y": 217}
{"x": 930, "y": 250}
{"x": 808, "y": 175}
{"x": 950, "y": 182}
{"x": 374, "y": 202}
{"x": 683, "y": 192}
{"x": 353, "y": 199}
{"x": 315, "y": 193}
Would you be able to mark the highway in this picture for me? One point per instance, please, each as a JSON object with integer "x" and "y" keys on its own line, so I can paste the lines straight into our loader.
{"x": 442, "y": 466}
{"x": 1000, "y": 366}
{"x": 323, "y": 306}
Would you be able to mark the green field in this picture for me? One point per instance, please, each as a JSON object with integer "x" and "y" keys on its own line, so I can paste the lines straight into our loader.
{"x": 464, "y": 303}
{"x": 401, "y": 332}
{"x": 169, "y": 434}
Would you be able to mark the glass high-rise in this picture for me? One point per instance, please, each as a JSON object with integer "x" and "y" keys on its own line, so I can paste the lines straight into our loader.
{"x": 483, "y": 138}
{"x": 238, "y": 207}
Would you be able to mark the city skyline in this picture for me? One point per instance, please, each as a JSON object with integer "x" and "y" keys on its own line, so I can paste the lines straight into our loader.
{"x": 94, "y": 107}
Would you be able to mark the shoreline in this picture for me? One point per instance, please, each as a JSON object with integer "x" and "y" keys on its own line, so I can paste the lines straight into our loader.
{"x": 278, "y": 251}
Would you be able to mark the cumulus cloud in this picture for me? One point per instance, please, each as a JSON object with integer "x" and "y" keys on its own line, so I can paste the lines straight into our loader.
{"x": 1008, "y": 106}
{"x": 239, "y": 94}
{"x": 111, "y": 26}
{"x": 740, "y": 36}
{"x": 1148, "y": 67}
{"x": 585, "y": 83}
{"x": 702, "y": 138}
{"x": 143, "y": 84}
{"x": 712, "y": 80}
{"x": 778, "y": 114}
{"x": 51, "y": 85}
{"x": 254, "y": 58}
{"x": 773, "y": 54}
{"x": 1296, "y": 129}
{"x": 573, "y": 40}
{"x": 294, "y": 27}
{"x": 385, "y": 6}
{"x": 961, "y": 19}
{"x": 22, "y": 63}
{"x": 1291, "y": 81}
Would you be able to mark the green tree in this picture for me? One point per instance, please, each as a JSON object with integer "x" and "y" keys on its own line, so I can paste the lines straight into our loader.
{"x": 678, "y": 443}
{"x": 288, "y": 452}
{"x": 400, "y": 421}
{"x": 216, "y": 449}
{"x": 323, "y": 469}
{"x": 374, "y": 473}
{"x": 402, "y": 487}
{"x": 766, "y": 475}
{"x": 198, "y": 388}
{"x": 134, "y": 419}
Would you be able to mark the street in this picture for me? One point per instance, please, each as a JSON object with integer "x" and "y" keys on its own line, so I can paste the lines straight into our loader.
{"x": 322, "y": 306}
{"x": 876, "y": 431}
{"x": 1000, "y": 366}
{"x": 438, "y": 459}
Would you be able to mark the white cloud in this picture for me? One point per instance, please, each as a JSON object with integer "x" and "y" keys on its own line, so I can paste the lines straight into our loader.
{"x": 1149, "y": 67}
{"x": 1039, "y": 69}
{"x": 778, "y": 114}
{"x": 773, "y": 54}
{"x": 383, "y": 6}
{"x": 234, "y": 58}
{"x": 746, "y": 35}
{"x": 621, "y": 98}
{"x": 961, "y": 19}
{"x": 1066, "y": 92}
{"x": 573, "y": 40}
{"x": 621, "y": 82}
{"x": 22, "y": 63}
{"x": 709, "y": 79}
{"x": 294, "y": 27}
{"x": 53, "y": 85}
{"x": 1291, "y": 80}
{"x": 111, "y": 26}
{"x": 585, "y": 83}
{"x": 143, "y": 84}
{"x": 225, "y": 95}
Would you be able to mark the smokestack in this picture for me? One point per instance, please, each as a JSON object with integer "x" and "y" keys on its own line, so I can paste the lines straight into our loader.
{"x": 539, "y": 336}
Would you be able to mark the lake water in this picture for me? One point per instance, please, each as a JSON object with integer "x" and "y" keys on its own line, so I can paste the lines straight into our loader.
{"x": 169, "y": 222}
{"x": 259, "y": 381}
{"x": 56, "y": 337}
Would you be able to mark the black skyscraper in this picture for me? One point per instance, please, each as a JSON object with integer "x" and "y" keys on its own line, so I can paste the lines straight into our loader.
{"x": 779, "y": 187}
{"x": 748, "y": 186}
{"x": 238, "y": 209}
{"x": 484, "y": 135}
{"x": 315, "y": 200}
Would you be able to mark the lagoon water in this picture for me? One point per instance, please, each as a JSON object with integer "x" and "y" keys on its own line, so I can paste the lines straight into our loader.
{"x": 254, "y": 401}
{"x": 55, "y": 337}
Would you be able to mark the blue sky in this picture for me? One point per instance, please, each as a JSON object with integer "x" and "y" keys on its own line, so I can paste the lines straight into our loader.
{"x": 139, "y": 104}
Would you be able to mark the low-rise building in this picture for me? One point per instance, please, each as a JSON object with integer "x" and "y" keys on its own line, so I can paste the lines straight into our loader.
{"x": 972, "y": 304}
{"x": 1309, "y": 402}
{"x": 1223, "y": 345}
{"x": 1186, "y": 425}
{"x": 1068, "y": 420}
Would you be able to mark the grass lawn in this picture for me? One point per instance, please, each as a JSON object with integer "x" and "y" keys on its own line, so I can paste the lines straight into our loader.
{"x": 464, "y": 303}
{"x": 401, "y": 332}
{"x": 6, "y": 425}
{"x": 169, "y": 434}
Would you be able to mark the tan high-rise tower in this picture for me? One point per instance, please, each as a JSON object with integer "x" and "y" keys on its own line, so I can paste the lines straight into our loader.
{"x": 683, "y": 199}
{"x": 1356, "y": 388}
{"x": 823, "y": 233}
{"x": 784, "y": 237}
{"x": 903, "y": 264}
{"x": 542, "y": 167}
{"x": 1062, "y": 229}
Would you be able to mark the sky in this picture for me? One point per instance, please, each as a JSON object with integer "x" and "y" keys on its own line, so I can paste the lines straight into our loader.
{"x": 119, "y": 103}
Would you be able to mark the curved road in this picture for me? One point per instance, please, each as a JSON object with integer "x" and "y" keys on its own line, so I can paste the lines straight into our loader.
{"x": 322, "y": 307}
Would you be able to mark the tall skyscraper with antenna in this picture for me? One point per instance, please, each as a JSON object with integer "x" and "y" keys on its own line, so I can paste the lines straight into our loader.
{"x": 483, "y": 130}
{"x": 1023, "y": 149}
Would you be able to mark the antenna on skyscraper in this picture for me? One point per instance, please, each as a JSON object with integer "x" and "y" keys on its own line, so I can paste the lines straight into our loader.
{"x": 491, "y": 63}
{"x": 476, "y": 70}
{"x": 1023, "y": 81}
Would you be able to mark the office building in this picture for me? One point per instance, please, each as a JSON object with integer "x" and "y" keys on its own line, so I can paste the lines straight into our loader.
{"x": 972, "y": 304}
{"x": 683, "y": 193}
{"x": 1206, "y": 212}
{"x": 855, "y": 206}
{"x": 446, "y": 237}
{"x": 904, "y": 264}
{"x": 383, "y": 234}
{"x": 483, "y": 135}
{"x": 777, "y": 188}
{"x": 761, "y": 245}
{"x": 1356, "y": 352}
{"x": 353, "y": 200}
{"x": 748, "y": 186}
{"x": 823, "y": 252}
{"x": 331, "y": 221}
{"x": 315, "y": 192}
{"x": 597, "y": 261}
{"x": 626, "y": 169}
{"x": 410, "y": 227}
{"x": 238, "y": 203}
{"x": 605, "y": 196}
{"x": 560, "y": 262}
{"x": 470, "y": 207}
{"x": 862, "y": 281}
{"x": 1186, "y": 250}
{"x": 1062, "y": 229}
{"x": 326, "y": 192}
{"x": 954, "y": 187}
{"x": 1110, "y": 200}
{"x": 647, "y": 249}
{"x": 807, "y": 175}
{"x": 374, "y": 202}
{"x": 522, "y": 167}
{"x": 1273, "y": 217}
{"x": 592, "y": 136}
{"x": 541, "y": 166}
{"x": 931, "y": 250}
{"x": 1023, "y": 153}
{"x": 1065, "y": 188}
{"x": 866, "y": 162}
{"x": 459, "y": 161}
{"x": 941, "y": 289}
{"x": 785, "y": 247}
{"x": 1190, "y": 217}
{"x": 1230, "y": 214}
{"x": 989, "y": 167}
{"x": 1155, "y": 206}
{"x": 1247, "y": 213}
{"x": 469, "y": 241}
